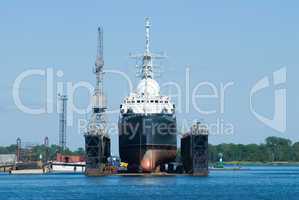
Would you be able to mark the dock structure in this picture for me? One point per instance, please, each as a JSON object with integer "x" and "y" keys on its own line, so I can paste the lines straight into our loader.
{"x": 24, "y": 151}
{"x": 97, "y": 152}
{"x": 7, "y": 162}
{"x": 194, "y": 150}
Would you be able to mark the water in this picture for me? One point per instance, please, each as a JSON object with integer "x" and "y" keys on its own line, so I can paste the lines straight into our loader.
{"x": 255, "y": 183}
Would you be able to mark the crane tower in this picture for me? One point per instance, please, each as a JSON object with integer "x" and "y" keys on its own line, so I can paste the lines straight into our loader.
{"x": 97, "y": 141}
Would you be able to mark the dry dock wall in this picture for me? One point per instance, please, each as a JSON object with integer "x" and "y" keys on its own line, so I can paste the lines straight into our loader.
{"x": 194, "y": 151}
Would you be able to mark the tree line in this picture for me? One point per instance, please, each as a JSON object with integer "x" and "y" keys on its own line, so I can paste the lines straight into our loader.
{"x": 274, "y": 149}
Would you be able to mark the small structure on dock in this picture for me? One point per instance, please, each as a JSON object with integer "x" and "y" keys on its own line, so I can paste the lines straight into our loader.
{"x": 7, "y": 161}
{"x": 194, "y": 150}
{"x": 97, "y": 141}
{"x": 30, "y": 156}
{"x": 69, "y": 158}
{"x": 24, "y": 151}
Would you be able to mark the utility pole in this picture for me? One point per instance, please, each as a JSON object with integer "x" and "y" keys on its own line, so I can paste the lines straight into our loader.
{"x": 46, "y": 144}
{"x": 18, "y": 150}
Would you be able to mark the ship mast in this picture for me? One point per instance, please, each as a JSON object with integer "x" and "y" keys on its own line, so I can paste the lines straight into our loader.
{"x": 147, "y": 35}
{"x": 147, "y": 67}
{"x": 147, "y": 57}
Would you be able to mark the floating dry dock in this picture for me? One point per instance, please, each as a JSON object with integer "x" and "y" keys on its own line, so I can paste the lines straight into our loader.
{"x": 194, "y": 150}
{"x": 194, "y": 157}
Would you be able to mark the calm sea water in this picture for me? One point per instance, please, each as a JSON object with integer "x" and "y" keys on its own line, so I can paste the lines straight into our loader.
{"x": 255, "y": 183}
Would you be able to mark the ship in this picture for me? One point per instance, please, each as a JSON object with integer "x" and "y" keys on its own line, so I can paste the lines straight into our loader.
{"x": 147, "y": 120}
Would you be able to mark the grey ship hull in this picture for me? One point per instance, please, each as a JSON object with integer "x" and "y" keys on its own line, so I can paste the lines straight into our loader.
{"x": 147, "y": 141}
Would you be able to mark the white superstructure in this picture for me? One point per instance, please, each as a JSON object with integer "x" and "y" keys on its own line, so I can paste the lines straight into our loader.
{"x": 60, "y": 167}
{"x": 146, "y": 99}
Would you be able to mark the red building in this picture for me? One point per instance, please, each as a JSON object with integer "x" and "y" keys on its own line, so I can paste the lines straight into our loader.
{"x": 69, "y": 158}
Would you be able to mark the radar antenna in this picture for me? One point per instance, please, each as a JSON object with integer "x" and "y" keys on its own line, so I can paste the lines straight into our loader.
{"x": 146, "y": 68}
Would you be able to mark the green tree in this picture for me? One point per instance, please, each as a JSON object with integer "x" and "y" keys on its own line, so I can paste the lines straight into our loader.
{"x": 295, "y": 149}
{"x": 80, "y": 151}
{"x": 280, "y": 149}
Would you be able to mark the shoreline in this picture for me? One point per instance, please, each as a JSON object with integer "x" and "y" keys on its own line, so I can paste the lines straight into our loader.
{"x": 258, "y": 163}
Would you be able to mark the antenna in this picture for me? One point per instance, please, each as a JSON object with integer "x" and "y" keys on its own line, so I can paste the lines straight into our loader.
{"x": 100, "y": 42}
{"x": 146, "y": 68}
{"x": 147, "y": 35}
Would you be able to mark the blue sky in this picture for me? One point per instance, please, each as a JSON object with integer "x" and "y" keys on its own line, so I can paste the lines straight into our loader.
{"x": 231, "y": 41}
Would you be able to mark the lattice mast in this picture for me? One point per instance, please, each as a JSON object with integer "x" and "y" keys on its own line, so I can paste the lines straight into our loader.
{"x": 98, "y": 70}
{"x": 97, "y": 123}
{"x": 62, "y": 121}
{"x": 147, "y": 68}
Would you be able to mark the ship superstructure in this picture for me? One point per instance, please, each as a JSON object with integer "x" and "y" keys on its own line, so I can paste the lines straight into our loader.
{"x": 147, "y": 123}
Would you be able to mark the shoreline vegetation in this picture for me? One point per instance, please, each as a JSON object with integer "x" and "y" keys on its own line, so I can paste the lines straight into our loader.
{"x": 274, "y": 151}
{"x": 252, "y": 163}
